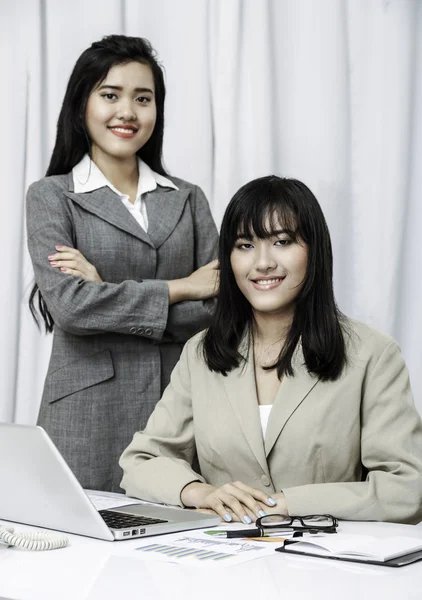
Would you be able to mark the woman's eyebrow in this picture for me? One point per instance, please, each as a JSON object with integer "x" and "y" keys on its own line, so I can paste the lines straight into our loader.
{"x": 120, "y": 88}
{"x": 270, "y": 234}
{"x": 281, "y": 231}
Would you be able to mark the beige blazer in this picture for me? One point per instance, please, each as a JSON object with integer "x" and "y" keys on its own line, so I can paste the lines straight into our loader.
{"x": 351, "y": 448}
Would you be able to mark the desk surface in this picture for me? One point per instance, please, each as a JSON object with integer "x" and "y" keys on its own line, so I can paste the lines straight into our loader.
{"x": 94, "y": 570}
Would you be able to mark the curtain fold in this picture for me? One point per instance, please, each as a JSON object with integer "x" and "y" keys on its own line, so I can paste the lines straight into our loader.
{"x": 382, "y": 74}
{"x": 329, "y": 92}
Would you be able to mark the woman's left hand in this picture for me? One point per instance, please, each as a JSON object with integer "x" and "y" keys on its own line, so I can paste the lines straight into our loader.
{"x": 280, "y": 507}
{"x": 72, "y": 262}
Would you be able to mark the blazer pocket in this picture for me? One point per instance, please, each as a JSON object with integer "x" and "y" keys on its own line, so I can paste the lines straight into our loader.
{"x": 80, "y": 374}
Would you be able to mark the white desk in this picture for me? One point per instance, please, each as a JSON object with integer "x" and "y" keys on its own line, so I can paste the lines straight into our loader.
{"x": 94, "y": 570}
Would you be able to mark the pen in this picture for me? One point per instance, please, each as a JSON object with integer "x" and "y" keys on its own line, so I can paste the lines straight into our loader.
{"x": 242, "y": 533}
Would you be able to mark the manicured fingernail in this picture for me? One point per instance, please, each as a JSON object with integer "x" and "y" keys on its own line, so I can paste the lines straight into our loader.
{"x": 271, "y": 501}
{"x": 247, "y": 519}
{"x": 227, "y": 517}
{"x": 59, "y": 247}
{"x": 51, "y": 257}
{"x": 53, "y": 264}
{"x": 64, "y": 271}
{"x": 262, "y": 513}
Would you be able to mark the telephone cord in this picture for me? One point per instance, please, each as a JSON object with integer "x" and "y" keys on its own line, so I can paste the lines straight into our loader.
{"x": 32, "y": 541}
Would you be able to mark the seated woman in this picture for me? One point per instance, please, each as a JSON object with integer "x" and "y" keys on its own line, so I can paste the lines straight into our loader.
{"x": 285, "y": 405}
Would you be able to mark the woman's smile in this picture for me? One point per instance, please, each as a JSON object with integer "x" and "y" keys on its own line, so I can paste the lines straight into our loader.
{"x": 124, "y": 131}
{"x": 264, "y": 284}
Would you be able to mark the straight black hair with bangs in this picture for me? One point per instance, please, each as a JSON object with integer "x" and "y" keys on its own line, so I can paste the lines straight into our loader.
{"x": 257, "y": 209}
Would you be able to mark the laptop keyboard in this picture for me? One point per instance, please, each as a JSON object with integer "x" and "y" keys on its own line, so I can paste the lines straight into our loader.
{"x": 117, "y": 520}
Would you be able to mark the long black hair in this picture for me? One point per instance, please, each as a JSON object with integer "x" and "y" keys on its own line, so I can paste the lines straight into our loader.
{"x": 72, "y": 138}
{"x": 255, "y": 210}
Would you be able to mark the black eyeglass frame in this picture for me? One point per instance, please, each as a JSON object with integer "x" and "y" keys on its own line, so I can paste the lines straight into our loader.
{"x": 291, "y": 518}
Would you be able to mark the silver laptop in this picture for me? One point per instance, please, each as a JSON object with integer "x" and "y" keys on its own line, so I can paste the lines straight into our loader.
{"x": 38, "y": 488}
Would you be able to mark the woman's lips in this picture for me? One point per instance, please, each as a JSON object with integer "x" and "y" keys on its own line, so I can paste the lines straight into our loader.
{"x": 266, "y": 284}
{"x": 123, "y": 132}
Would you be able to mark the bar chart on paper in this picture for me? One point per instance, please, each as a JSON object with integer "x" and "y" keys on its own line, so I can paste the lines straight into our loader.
{"x": 200, "y": 549}
{"x": 184, "y": 551}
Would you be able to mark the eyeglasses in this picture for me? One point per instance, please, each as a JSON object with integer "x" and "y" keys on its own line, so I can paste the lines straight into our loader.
{"x": 271, "y": 525}
{"x": 308, "y": 523}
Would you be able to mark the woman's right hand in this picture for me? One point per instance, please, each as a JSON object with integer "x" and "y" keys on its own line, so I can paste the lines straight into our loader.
{"x": 200, "y": 285}
{"x": 72, "y": 262}
{"x": 232, "y": 501}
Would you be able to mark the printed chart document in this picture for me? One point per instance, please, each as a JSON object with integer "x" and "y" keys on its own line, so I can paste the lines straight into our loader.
{"x": 197, "y": 548}
{"x": 358, "y": 547}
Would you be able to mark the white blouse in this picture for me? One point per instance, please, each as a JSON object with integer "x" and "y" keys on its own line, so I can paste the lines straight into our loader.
{"x": 264, "y": 413}
{"x": 88, "y": 177}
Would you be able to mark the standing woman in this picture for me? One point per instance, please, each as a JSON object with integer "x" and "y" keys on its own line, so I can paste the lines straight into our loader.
{"x": 121, "y": 254}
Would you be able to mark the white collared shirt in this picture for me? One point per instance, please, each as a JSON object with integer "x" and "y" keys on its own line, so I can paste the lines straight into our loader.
{"x": 87, "y": 177}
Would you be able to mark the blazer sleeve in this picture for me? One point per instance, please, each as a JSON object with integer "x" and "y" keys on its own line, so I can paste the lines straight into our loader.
{"x": 83, "y": 307}
{"x": 391, "y": 452}
{"x": 187, "y": 318}
{"x": 157, "y": 464}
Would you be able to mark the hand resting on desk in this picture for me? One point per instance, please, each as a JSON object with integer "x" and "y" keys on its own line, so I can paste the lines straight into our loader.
{"x": 234, "y": 501}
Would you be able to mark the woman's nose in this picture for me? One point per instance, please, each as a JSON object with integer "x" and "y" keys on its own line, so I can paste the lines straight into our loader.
{"x": 125, "y": 111}
{"x": 265, "y": 260}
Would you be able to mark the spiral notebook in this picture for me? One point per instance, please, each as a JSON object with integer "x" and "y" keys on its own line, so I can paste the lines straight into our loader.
{"x": 396, "y": 551}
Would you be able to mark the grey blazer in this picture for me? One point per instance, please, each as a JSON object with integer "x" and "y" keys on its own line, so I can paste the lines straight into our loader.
{"x": 351, "y": 447}
{"x": 115, "y": 343}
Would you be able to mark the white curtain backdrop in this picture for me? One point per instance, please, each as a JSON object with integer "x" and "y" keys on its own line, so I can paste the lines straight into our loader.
{"x": 327, "y": 91}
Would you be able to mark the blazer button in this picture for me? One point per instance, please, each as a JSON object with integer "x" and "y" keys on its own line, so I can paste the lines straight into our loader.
{"x": 265, "y": 480}
{"x": 148, "y": 331}
{"x": 132, "y": 330}
{"x": 141, "y": 330}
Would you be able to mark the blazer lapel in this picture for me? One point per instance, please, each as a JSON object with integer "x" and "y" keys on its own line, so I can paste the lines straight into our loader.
{"x": 164, "y": 208}
{"x": 291, "y": 393}
{"x": 241, "y": 389}
{"x": 107, "y": 205}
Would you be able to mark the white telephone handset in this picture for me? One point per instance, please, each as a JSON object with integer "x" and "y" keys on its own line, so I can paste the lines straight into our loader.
{"x": 32, "y": 541}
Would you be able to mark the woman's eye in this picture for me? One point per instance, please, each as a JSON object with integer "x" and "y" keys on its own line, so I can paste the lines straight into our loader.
{"x": 283, "y": 242}
{"x": 245, "y": 246}
{"x": 143, "y": 100}
{"x": 109, "y": 96}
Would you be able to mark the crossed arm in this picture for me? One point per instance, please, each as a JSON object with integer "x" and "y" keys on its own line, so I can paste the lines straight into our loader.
{"x": 200, "y": 285}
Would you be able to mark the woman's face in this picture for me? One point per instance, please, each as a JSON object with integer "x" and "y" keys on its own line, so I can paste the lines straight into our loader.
{"x": 270, "y": 272}
{"x": 121, "y": 112}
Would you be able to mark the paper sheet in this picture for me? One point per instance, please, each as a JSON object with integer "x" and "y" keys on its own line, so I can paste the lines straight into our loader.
{"x": 196, "y": 548}
{"x": 107, "y": 500}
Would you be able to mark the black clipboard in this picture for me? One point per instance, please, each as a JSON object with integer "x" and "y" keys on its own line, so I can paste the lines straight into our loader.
{"x": 398, "y": 561}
